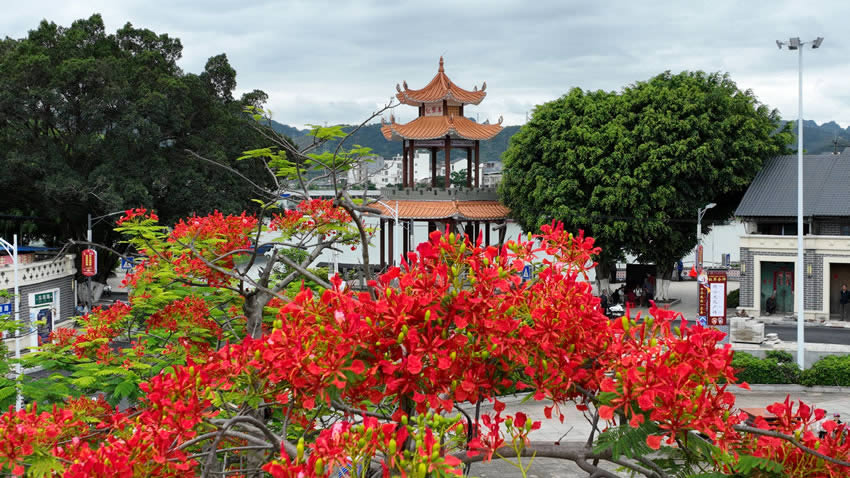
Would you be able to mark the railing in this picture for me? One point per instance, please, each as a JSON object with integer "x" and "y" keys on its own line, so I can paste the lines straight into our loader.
{"x": 36, "y": 272}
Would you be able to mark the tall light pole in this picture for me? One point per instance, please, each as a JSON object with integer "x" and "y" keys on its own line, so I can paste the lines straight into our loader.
{"x": 700, "y": 214}
{"x": 89, "y": 240}
{"x": 799, "y": 289}
{"x": 12, "y": 250}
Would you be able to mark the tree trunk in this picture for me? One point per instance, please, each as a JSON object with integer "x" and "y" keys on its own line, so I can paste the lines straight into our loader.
{"x": 665, "y": 274}
{"x": 603, "y": 278}
{"x": 253, "y": 308}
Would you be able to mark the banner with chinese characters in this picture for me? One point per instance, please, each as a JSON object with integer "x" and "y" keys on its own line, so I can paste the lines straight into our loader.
{"x": 717, "y": 298}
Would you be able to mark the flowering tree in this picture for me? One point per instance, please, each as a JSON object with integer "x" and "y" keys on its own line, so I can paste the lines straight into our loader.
{"x": 218, "y": 371}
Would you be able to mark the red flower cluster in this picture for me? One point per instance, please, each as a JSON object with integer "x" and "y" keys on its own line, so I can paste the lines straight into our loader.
{"x": 137, "y": 214}
{"x": 212, "y": 239}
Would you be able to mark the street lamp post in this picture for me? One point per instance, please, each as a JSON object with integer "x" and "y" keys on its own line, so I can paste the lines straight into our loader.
{"x": 12, "y": 249}
{"x": 700, "y": 214}
{"x": 799, "y": 288}
{"x": 89, "y": 240}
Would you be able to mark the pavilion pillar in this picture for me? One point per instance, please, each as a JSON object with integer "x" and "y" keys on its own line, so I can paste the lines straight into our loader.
{"x": 382, "y": 233}
{"x": 404, "y": 164}
{"x": 411, "y": 163}
{"x": 469, "y": 167}
{"x": 433, "y": 166}
{"x": 432, "y": 226}
{"x": 486, "y": 233}
{"x": 502, "y": 231}
{"x": 405, "y": 239}
{"x": 476, "y": 231}
{"x": 477, "y": 168}
{"x": 448, "y": 161}
{"x": 390, "y": 234}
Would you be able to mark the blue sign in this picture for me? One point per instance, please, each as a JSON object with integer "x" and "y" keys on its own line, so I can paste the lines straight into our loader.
{"x": 702, "y": 321}
{"x": 526, "y": 272}
{"x": 6, "y": 309}
{"x": 127, "y": 263}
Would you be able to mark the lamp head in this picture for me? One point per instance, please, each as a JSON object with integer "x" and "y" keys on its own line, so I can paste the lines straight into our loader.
{"x": 710, "y": 205}
{"x": 779, "y": 44}
{"x": 817, "y": 42}
{"x": 794, "y": 43}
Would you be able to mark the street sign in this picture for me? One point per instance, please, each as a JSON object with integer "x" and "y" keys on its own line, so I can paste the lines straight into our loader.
{"x": 6, "y": 309}
{"x": 128, "y": 263}
{"x": 526, "y": 272}
{"x": 88, "y": 261}
{"x": 43, "y": 298}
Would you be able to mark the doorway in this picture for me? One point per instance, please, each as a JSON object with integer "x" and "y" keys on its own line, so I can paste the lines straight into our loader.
{"x": 838, "y": 274}
{"x": 778, "y": 277}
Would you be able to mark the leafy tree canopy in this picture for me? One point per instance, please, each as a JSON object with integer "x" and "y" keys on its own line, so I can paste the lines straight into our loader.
{"x": 632, "y": 168}
{"x": 94, "y": 122}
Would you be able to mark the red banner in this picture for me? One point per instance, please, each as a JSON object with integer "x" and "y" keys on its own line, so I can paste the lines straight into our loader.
{"x": 89, "y": 262}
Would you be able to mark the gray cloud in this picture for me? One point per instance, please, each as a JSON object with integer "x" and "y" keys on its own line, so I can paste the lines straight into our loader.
{"x": 335, "y": 62}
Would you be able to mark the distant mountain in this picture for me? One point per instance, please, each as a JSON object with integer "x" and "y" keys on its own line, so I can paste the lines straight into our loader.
{"x": 824, "y": 138}
{"x": 371, "y": 136}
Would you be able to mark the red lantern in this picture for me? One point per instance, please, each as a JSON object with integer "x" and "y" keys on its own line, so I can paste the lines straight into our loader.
{"x": 89, "y": 262}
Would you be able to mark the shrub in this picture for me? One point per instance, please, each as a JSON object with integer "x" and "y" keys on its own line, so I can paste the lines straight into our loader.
{"x": 733, "y": 299}
{"x": 830, "y": 370}
{"x": 778, "y": 367}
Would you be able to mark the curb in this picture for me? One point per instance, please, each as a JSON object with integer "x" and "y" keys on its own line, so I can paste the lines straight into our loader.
{"x": 790, "y": 388}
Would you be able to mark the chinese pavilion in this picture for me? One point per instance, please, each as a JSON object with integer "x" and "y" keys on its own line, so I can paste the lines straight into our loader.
{"x": 441, "y": 125}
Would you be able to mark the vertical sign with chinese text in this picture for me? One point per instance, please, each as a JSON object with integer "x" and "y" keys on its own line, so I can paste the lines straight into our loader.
{"x": 717, "y": 298}
{"x": 88, "y": 259}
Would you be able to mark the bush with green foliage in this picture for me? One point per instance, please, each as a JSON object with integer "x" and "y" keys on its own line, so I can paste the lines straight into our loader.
{"x": 776, "y": 367}
{"x": 733, "y": 299}
{"x": 831, "y": 370}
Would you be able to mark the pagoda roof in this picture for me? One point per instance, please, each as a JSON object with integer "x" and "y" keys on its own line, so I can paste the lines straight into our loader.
{"x": 454, "y": 209}
{"x": 440, "y": 88}
{"x": 433, "y": 127}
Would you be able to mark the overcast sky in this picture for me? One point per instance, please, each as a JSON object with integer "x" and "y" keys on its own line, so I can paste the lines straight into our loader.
{"x": 336, "y": 62}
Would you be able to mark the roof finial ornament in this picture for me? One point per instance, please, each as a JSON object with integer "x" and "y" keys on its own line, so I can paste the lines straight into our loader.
{"x": 484, "y": 86}
{"x": 397, "y": 88}
{"x": 475, "y": 88}
{"x": 405, "y": 85}
{"x": 441, "y": 65}
{"x": 392, "y": 118}
{"x": 500, "y": 119}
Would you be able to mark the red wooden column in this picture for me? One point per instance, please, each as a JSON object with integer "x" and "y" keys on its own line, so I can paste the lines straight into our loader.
{"x": 433, "y": 167}
{"x": 404, "y": 163}
{"x": 477, "y": 162}
{"x": 410, "y": 164}
{"x": 405, "y": 238}
{"x": 383, "y": 244}
{"x": 448, "y": 161}
{"x": 469, "y": 167}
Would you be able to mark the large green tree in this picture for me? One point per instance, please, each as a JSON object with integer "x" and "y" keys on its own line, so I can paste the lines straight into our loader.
{"x": 632, "y": 168}
{"x": 93, "y": 122}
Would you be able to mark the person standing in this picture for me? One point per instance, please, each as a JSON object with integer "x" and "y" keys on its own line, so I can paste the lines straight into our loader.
{"x": 679, "y": 267}
{"x": 843, "y": 300}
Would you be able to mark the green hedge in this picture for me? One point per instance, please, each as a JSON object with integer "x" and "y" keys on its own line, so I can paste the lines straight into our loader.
{"x": 776, "y": 367}
{"x": 830, "y": 370}
{"x": 733, "y": 299}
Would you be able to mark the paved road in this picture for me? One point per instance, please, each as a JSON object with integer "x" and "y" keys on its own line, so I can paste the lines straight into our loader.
{"x": 813, "y": 333}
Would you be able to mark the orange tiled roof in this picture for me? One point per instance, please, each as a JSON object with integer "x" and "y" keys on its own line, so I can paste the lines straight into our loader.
{"x": 432, "y": 127}
{"x": 440, "y": 88}
{"x": 458, "y": 210}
